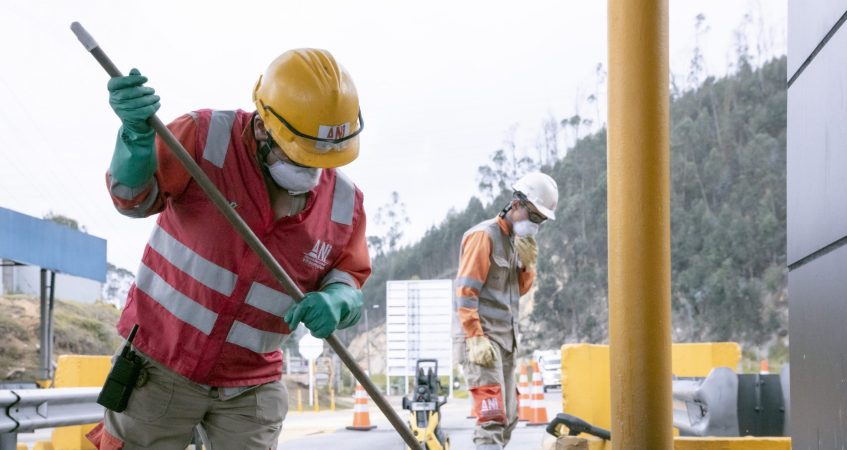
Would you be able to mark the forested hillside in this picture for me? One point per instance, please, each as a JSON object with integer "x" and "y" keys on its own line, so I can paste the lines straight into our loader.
{"x": 727, "y": 221}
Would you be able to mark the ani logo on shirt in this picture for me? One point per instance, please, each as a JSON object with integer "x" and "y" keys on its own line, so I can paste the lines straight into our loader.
{"x": 317, "y": 256}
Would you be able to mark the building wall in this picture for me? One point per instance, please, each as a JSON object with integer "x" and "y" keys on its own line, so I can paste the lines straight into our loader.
{"x": 817, "y": 222}
{"x": 27, "y": 280}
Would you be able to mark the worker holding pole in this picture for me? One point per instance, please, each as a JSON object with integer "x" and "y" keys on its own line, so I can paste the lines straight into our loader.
{"x": 496, "y": 267}
{"x": 210, "y": 316}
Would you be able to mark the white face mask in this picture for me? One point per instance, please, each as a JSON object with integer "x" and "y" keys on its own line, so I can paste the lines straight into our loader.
{"x": 525, "y": 228}
{"x": 295, "y": 179}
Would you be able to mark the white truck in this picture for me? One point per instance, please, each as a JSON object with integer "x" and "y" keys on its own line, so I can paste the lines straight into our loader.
{"x": 550, "y": 364}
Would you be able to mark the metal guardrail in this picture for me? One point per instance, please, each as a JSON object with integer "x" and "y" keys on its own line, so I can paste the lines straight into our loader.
{"x": 729, "y": 404}
{"x": 26, "y": 410}
{"x": 707, "y": 406}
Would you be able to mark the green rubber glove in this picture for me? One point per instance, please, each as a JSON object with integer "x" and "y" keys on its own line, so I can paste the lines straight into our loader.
{"x": 133, "y": 102}
{"x": 134, "y": 160}
{"x": 337, "y": 306}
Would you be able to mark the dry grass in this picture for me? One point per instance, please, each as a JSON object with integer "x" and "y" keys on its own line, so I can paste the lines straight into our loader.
{"x": 86, "y": 329}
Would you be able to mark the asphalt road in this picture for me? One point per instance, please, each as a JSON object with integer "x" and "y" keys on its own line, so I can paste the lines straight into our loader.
{"x": 456, "y": 425}
{"x": 326, "y": 429}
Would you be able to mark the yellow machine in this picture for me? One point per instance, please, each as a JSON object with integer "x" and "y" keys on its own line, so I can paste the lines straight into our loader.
{"x": 424, "y": 406}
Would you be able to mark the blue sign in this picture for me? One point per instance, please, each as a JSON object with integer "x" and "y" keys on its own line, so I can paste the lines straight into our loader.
{"x": 49, "y": 245}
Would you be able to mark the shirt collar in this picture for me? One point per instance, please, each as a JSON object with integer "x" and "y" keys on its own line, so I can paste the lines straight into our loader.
{"x": 505, "y": 226}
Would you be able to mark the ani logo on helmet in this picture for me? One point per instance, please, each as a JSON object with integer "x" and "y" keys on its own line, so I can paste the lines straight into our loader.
{"x": 331, "y": 132}
{"x": 317, "y": 256}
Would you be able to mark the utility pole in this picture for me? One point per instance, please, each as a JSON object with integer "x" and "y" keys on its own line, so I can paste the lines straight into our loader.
{"x": 368, "y": 338}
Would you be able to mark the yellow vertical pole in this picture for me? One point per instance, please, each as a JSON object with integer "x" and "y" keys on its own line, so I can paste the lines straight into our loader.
{"x": 332, "y": 399}
{"x": 639, "y": 225}
{"x": 316, "y": 406}
{"x": 299, "y": 400}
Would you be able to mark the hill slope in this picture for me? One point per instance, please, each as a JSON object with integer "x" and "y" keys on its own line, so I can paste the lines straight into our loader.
{"x": 727, "y": 220}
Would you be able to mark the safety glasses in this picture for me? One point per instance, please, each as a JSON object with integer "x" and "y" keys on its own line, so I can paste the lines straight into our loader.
{"x": 333, "y": 142}
{"x": 534, "y": 216}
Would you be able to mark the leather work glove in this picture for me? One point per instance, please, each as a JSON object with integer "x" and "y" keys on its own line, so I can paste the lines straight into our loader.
{"x": 527, "y": 249}
{"x": 337, "y": 306}
{"x": 134, "y": 159}
{"x": 481, "y": 351}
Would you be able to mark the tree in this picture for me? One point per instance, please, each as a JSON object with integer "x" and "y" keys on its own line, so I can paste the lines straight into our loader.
{"x": 697, "y": 66}
{"x": 64, "y": 220}
{"x": 392, "y": 217}
{"x": 505, "y": 168}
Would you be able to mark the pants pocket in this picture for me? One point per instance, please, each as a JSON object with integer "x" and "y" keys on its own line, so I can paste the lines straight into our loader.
{"x": 272, "y": 402}
{"x": 151, "y": 401}
{"x": 488, "y": 403}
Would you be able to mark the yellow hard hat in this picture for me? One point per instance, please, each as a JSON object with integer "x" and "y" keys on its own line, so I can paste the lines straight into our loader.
{"x": 310, "y": 107}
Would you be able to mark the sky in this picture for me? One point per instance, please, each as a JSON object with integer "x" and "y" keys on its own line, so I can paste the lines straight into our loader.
{"x": 440, "y": 85}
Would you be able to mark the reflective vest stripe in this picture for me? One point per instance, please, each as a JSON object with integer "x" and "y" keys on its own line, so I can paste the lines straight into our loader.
{"x": 217, "y": 141}
{"x": 495, "y": 314}
{"x": 201, "y": 269}
{"x": 141, "y": 210}
{"x": 468, "y": 302}
{"x": 343, "y": 199}
{"x": 499, "y": 296}
{"x": 469, "y": 282}
{"x": 339, "y": 276}
{"x": 259, "y": 341}
{"x": 182, "y": 307}
{"x": 269, "y": 300}
{"x": 125, "y": 192}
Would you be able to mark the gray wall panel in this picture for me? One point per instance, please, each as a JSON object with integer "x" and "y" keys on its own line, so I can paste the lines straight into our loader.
{"x": 817, "y": 311}
{"x": 817, "y": 151}
{"x": 808, "y": 22}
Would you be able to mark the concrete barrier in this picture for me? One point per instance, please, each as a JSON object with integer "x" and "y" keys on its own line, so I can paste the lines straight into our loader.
{"x": 586, "y": 380}
{"x": 78, "y": 371}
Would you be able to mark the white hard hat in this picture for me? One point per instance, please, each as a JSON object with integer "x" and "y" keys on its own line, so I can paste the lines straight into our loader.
{"x": 541, "y": 190}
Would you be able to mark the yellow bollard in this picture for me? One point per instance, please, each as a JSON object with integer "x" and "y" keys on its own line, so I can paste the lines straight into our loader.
{"x": 316, "y": 408}
{"x": 299, "y": 400}
{"x": 332, "y": 399}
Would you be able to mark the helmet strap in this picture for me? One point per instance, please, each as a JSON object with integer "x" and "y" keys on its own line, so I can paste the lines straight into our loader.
{"x": 505, "y": 210}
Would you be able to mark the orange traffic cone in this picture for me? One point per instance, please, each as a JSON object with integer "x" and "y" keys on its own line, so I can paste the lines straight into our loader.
{"x": 539, "y": 411}
{"x": 524, "y": 408}
{"x": 361, "y": 417}
{"x": 763, "y": 367}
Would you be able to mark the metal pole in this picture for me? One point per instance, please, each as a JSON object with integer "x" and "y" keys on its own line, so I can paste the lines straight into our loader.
{"x": 50, "y": 340}
{"x": 44, "y": 333}
{"x": 311, "y": 382}
{"x": 639, "y": 225}
{"x": 250, "y": 238}
{"x": 8, "y": 441}
{"x": 367, "y": 340}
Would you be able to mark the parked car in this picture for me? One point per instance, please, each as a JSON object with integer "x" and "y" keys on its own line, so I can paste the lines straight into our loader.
{"x": 550, "y": 364}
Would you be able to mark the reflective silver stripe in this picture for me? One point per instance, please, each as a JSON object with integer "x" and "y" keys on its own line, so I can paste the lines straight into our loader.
{"x": 494, "y": 314}
{"x": 125, "y": 192}
{"x": 343, "y": 199}
{"x": 201, "y": 269}
{"x": 269, "y": 300}
{"x": 177, "y": 303}
{"x": 469, "y": 282}
{"x": 141, "y": 210}
{"x": 339, "y": 276}
{"x": 259, "y": 341}
{"x": 495, "y": 295}
{"x": 217, "y": 141}
{"x": 468, "y": 302}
